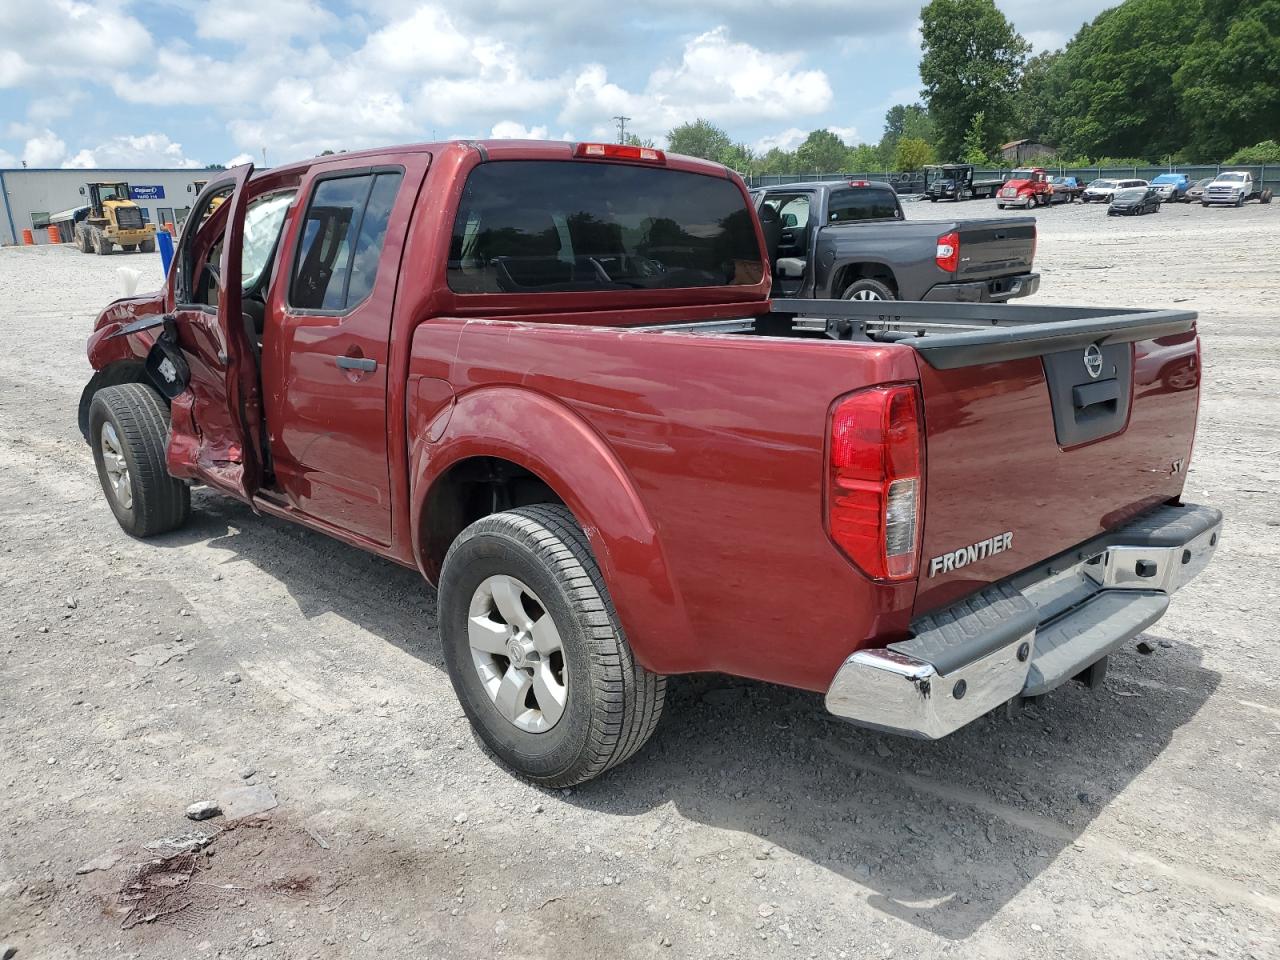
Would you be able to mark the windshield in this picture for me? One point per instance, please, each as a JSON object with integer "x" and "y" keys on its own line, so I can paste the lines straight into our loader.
{"x": 1168, "y": 178}
{"x": 262, "y": 222}
{"x": 1103, "y": 184}
{"x": 1205, "y": 182}
{"x": 1232, "y": 178}
{"x": 1133, "y": 193}
{"x": 555, "y": 225}
{"x": 1061, "y": 180}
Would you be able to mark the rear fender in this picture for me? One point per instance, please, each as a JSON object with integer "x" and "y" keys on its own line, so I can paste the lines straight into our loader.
{"x": 548, "y": 439}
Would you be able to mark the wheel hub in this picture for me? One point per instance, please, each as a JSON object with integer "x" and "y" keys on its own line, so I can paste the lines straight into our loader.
{"x": 517, "y": 654}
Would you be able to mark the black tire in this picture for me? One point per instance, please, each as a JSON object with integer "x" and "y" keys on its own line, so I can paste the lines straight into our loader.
{"x": 999, "y": 206}
{"x": 156, "y": 502}
{"x": 1265, "y": 197}
{"x": 102, "y": 244}
{"x": 868, "y": 289}
{"x": 148, "y": 245}
{"x": 82, "y": 241}
{"x": 612, "y": 704}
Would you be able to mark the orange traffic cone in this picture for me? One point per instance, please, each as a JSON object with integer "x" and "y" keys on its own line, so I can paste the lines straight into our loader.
{"x": 27, "y": 239}
{"x": 169, "y": 226}
{"x": 54, "y": 237}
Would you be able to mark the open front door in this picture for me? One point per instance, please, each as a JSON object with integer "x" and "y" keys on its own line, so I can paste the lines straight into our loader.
{"x": 215, "y": 433}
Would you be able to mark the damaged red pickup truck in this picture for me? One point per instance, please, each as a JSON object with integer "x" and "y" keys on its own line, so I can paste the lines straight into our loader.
{"x": 550, "y": 377}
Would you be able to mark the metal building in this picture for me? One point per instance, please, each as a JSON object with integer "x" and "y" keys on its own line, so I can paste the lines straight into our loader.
{"x": 28, "y": 197}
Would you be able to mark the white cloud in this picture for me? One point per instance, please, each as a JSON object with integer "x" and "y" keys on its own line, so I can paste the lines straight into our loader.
{"x": 145, "y": 150}
{"x": 848, "y": 135}
{"x": 510, "y": 130}
{"x": 254, "y": 21}
{"x": 717, "y": 78}
{"x": 59, "y": 38}
{"x": 44, "y": 150}
{"x": 788, "y": 139}
{"x": 240, "y": 159}
{"x": 8, "y": 160}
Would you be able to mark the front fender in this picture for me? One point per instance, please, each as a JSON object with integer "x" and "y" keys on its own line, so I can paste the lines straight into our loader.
{"x": 547, "y": 438}
{"x": 115, "y": 360}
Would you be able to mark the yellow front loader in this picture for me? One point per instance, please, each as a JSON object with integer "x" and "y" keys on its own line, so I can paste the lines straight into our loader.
{"x": 110, "y": 220}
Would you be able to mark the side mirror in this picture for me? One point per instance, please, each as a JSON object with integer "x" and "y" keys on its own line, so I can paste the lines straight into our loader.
{"x": 82, "y": 191}
{"x": 190, "y": 188}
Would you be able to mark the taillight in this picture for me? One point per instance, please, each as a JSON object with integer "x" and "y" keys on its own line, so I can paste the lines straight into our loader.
{"x": 875, "y": 480}
{"x": 619, "y": 151}
{"x": 948, "y": 255}
{"x": 858, "y": 183}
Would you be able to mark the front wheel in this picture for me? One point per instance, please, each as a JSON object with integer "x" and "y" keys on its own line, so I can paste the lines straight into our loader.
{"x": 535, "y": 651}
{"x": 148, "y": 245}
{"x": 1265, "y": 197}
{"x": 868, "y": 289}
{"x": 129, "y": 431}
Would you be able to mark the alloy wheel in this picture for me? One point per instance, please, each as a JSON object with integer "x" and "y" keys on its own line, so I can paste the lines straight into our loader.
{"x": 517, "y": 654}
{"x": 117, "y": 467}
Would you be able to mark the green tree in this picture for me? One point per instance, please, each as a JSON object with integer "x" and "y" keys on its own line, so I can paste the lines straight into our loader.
{"x": 702, "y": 138}
{"x": 911, "y": 155}
{"x": 738, "y": 156}
{"x": 971, "y": 64}
{"x": 905, "y": 120}
{"x": 1036, "y": 102}
{"x": 1112, "y": 91}
{"x": 974, "y": 150}
{"x": 776, "y": 161}
{"x": 631, "y": 140}
{"x": 1228, "y": 78}
{"x": 864, "y": 158}
{"x": 822, "y": 152}
{"x": 1268, "y": 151}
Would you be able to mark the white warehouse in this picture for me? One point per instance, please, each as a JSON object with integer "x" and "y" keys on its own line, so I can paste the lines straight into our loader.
{"x": 29, "y": 197}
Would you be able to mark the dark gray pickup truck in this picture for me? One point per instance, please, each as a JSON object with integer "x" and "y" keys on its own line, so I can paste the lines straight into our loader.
{"x": 849, "y": 239}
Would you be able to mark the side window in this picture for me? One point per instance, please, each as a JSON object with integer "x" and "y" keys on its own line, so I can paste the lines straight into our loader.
{"x": 341, "y": 241}
{"x": 262, "y": 222}
{"x": 795, "y": 212}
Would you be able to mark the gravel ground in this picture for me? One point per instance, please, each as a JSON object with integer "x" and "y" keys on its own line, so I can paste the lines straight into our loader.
{"x": 1137, "y": 820}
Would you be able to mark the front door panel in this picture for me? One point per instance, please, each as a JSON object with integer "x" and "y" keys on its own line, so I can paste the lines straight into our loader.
{"x": 327, "y": 345}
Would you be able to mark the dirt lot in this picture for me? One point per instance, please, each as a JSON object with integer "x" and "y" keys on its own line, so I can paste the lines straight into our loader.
{"x": 1139, "y": 820}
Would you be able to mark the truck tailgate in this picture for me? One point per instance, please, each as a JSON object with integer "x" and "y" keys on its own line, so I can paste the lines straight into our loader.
{"x": 1028, "y": 457}
{"x": 995, "y": 247}
{"x": 1044, "y": 426}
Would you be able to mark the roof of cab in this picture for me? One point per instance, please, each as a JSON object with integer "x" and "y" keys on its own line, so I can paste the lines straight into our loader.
{"x": 500, "y": 150}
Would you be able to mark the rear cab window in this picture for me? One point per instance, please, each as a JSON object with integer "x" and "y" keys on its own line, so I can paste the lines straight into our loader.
{"x": 863, "y": 203}
{"x": 552, "y": 225}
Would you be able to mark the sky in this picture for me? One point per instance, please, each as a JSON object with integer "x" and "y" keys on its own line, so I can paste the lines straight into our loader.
{"x": 185, "y": 83}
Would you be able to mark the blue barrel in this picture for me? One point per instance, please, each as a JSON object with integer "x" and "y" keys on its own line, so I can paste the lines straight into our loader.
{"x": 166, "y": 249}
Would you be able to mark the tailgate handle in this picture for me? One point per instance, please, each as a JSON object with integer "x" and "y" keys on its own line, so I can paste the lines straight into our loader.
{"x": 1089, "y": 394}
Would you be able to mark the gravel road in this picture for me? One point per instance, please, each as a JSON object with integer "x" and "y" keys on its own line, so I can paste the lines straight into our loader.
{"x": 1139, "y": 820}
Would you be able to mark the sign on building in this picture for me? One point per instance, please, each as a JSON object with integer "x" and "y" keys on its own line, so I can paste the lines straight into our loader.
{"x": 155, "y": 192}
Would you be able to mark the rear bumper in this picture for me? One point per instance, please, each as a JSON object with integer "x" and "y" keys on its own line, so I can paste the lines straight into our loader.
{"x": 986, "y": 291}
{"x": 1027, "y": 635}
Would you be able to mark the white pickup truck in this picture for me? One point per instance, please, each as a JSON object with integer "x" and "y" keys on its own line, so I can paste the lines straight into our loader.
{"x": 1235, "y": 187}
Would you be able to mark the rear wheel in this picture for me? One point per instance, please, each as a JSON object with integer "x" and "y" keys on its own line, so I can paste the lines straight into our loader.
{"x": 102, "y": 244}
{"x": 1265, "y": 197}
{"x": 129, "y": 430}
{"x": 148, "y": 245}
{"x": 535, "y": 651}
{"x": 868, "y": 289}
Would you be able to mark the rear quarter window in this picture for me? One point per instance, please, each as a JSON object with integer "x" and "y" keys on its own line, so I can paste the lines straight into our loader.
{"x": 551, "y": 225}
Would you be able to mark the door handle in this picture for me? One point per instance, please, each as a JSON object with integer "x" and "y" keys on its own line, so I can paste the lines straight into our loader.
{"x": 366, "y": 364}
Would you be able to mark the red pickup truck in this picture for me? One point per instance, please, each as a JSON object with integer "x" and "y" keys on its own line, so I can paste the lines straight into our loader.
{"x": 550, "y": 377}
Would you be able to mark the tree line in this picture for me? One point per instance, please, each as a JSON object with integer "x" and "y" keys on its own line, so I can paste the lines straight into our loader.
{"x": 1147, "y": 81}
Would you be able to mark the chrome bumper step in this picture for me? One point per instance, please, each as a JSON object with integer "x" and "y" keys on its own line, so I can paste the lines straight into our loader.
{"x": 1026, "y": 636}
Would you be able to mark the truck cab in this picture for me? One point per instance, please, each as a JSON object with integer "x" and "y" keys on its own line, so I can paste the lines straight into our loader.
{"x": 956, "y": 181}
{"x": 1028, "y": 187}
